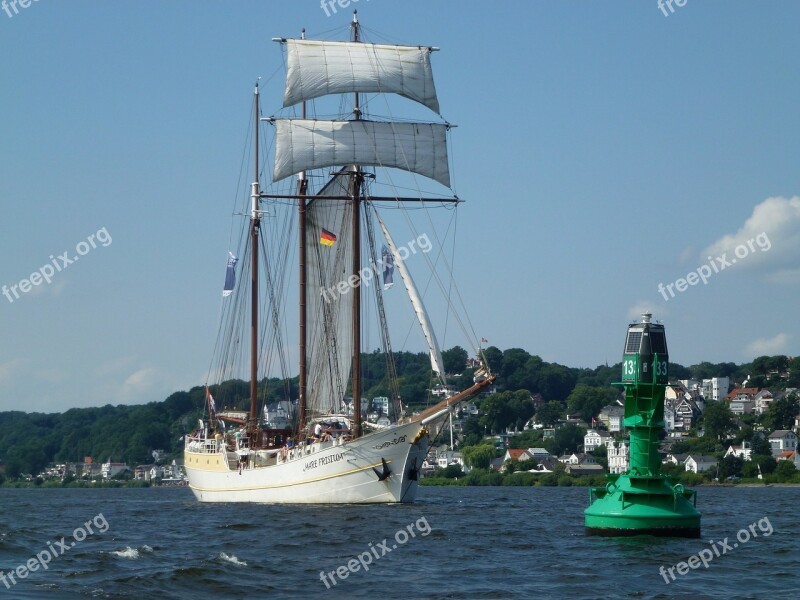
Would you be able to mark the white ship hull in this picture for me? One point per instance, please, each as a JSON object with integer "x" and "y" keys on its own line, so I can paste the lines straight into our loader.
{"x": 334, "y": 472}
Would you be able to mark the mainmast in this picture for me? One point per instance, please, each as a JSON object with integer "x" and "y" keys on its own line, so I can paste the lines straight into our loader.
{"x": 302, "y": 189}
{"x": 254, "y": 227}
{"x": 357, "y": 179}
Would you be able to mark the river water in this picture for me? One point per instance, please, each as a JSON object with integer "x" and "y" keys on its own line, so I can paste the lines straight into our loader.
{"x": 454, "y": 542}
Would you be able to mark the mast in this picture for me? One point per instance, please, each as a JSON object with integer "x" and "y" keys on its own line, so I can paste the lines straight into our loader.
{"x": 357, "y": 179}
{"x": 254, "y": 227}
{"x": 302, "y": 188}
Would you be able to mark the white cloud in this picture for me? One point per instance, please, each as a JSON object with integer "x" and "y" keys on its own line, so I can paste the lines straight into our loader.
{"x": 114, "y": 365}
{"x": 142, "y": 378}
{"x": 7, "y": 369}
{"x": 144, "y": 385}
{"x": 769, "y": 346}
{"x": 148, "y": 384}
{"x": 54, "y": 375}
{"x": 769, "y": 238}
{"x": 686, "y": 255}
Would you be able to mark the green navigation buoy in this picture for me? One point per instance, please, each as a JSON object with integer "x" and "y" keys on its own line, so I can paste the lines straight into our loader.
{"x": 643, "y": 501}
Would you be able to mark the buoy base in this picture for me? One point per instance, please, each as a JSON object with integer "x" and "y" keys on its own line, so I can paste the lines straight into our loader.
{"x": 642, "y": 505}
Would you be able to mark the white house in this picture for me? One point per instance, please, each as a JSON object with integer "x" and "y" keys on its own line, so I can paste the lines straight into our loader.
{"x": 669, "y": 415}
{"x": 781, "y": 441}
{"x": 584, "y": 469}
{"x": 539, "y": 454}
{"x": 715, "y": 389}
{"x": 675, "y": 459}
{"x": 744, "y": 451}
{"x": 741, "y": 400}
{"x": 618, "y": 456}
{"x": 517, "y": 454}
{"x": 110, "y": 469}
{"x": 741, "y": 405}
{"x": 686, "y": 412}
{"x": 578, "y": 459}
{"x": 699, "y": 463}
{"x": 762, "y": 401}
{"x": 381, "y": 404}
{"x": 612, "y": 415}
{"x": 446, "y": 458}
{"x": 594, "y": 439}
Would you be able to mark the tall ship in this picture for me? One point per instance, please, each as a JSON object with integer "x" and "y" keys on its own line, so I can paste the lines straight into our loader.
{"x": 321, "y": 219}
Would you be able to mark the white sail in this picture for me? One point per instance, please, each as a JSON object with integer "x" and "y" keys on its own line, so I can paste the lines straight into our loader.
{"x": 317, "y": 68}
{"x": 303, "y": 144}
{"x": 329, "y": 306}
{"x": 419, "y": 307}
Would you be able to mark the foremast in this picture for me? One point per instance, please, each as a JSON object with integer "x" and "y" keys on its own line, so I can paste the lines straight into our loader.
{"x": 315, "y": 69}
{"x": 302, "y": 190}
{"x": 255, "y": 225}
{"x": 357, "y": 180}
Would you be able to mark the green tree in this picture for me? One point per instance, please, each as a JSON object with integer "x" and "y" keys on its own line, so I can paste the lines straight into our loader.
{"x": 497, "y": 412}
{"x": 794, "y": 372}
{"x": 532, "y": 438}
{"x": 522, "y": 409}
{"x": 549, "y": 414}
{"x": 506, "y": 409}
{"x": 760, "y": 446}
{"x": 556, "y": 381}
{"x": 717, "y": 420}
{"x": 601, "y": 456}
{"x": 472, "y": 431}
{"x": 677, "y": 371}
{"x": 452, "y": 472}
{"x": 494, "y": 358}
{"x": 455, "y": 359}
{"x": 767, "y": 464}
{"x": 730, "y": 465}
{"x": 588, "y": 400}
{"x": 782, "y": 413}
{"x": 479, "y": 457}
{"x": 785, "y": 470}
{"x": 566, "y": 439}
{"x": 513, "y": 360}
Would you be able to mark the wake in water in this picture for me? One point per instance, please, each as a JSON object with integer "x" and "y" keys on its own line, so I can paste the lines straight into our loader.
{"x": 232, "y": 559}
{"x": 131, "y": 553}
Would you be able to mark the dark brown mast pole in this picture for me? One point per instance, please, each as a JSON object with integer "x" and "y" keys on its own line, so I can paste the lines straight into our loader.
{"x": 302, "y": 187}
{"x": 254, "y": 226}
{"x": 356, "y": 181}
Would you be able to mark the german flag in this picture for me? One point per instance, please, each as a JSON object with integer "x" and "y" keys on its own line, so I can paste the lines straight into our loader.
{"x": 326, "y": 238}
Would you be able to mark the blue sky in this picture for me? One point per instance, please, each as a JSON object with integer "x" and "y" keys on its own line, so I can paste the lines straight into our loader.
{"x": 603, "y": 149}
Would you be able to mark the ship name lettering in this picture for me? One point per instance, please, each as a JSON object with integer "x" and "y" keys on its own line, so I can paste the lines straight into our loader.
{"x": 323, "y": 460}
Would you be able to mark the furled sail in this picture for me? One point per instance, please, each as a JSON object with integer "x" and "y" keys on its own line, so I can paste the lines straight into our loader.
{"x": 304, "y": 144}
{"x": 318, "y": 68}
{"x": 329, "y": 305}
{"x": 419, "y": 307}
